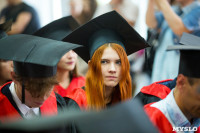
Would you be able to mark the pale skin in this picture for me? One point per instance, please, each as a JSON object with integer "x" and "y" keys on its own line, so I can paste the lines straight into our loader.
{"x": 174, "y": 21}
{"x": 22, "y": 19}
{"x": 6, "y": 69}
{"x": 187, "y": 97}
{"x": 111, "y": 71}
{"x": 66, "y": 64}
{"x": 30, "y": 101}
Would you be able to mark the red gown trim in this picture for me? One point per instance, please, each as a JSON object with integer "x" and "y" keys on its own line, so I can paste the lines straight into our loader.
{"x": 9, "y": 113}
{"x": 157, "y": 89}
{"x": 74, "y": 91}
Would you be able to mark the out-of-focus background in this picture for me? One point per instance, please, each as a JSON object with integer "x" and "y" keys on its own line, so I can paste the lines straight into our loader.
{"x": 50, "y": 10}
{"x": 134, "y": 11}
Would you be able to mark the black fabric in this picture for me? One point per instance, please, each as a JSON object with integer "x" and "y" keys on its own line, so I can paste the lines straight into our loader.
{"x": 38, "y": 53}
{"x": 110, "y": 21}
{"x": 60, "y": 102}
{"x": 12, "y": 12}
{"x": 71, "y": 104}
{"x": 189, "y": 63}
{"x": 66, "y": 104}
{"x": 33, "y": 49}
{"x": 146, "y": 98}
{"x": 189, "y": 55}
{"x": 169, "y": 84}
{"x": 34, "y": 70}
{"x": 58, "y": 29}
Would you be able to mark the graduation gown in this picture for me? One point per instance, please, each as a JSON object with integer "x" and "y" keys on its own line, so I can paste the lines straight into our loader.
{"x": 74, "y": 94}
{"x": 159, "y": 119}
{"x": 156, "y": 91}
{"x": 10, "y": 111}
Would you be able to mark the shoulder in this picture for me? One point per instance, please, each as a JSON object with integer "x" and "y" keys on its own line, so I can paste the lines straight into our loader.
{"x": 160, "y": 89}
{"x": 158, "y": 118}
{"x": 81, "y": 78}
{"x": 60, "y": 101}
{"x": 156, "y": 91}
{"x": 71, "y": 104}
{"x": 27, "y": 8}
{"x": 79, "y": 96}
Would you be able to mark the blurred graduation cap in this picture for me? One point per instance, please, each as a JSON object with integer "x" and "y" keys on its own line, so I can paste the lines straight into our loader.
{"x": 189, "y": 55}
{"x": 33, "y": 56}
{"x": 58, "y": 29}
{"x": 5, "y": 27}
{"x": 107, "y": 28}
{"x": 125, "y": 117}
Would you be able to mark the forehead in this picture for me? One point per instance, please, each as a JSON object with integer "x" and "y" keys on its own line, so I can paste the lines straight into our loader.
{"x": 110, "y": 53}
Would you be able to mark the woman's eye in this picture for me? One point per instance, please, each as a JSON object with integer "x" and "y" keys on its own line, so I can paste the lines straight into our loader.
{"x": 103, "y": 62}
{"x": 118, "y": 62}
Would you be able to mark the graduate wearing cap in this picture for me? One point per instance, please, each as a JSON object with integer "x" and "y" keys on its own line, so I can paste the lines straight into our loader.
{"x": 6, "y": 66}
{"x": 108, "y": 39}
{"x": 181, "y": 107}
{"x": 31, "y": 92}
{"x": 69, "y": 80}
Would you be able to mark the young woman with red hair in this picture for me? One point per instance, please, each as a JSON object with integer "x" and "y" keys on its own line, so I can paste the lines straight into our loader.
{"x": 107, "y": 80}
{"x": 108, "y": 39}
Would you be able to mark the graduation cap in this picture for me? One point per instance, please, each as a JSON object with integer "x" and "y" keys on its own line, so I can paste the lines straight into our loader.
{"x": 125, "y": 117}
{"x": 189, "y": 55}
{"x": 107, "y": 28}
{"x": 33, "y": 56}
{"x": 58, "y": 29}
{"x": 5, "y": 27}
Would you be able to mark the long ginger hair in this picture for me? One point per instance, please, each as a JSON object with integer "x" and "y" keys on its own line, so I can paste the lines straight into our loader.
{"x": 95, "y": 88}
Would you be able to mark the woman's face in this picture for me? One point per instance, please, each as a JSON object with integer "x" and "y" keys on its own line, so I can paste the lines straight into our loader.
{"x": 110, "y": 67}
{"x": 68, "y": 61}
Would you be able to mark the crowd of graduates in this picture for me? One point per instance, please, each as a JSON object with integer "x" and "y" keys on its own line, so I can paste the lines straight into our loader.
{"x": 43, "y": 91}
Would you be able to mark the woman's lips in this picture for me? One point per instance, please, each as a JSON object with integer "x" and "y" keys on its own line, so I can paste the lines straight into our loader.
{"x": 111, "y": 77}
{"x": 70, "y": 63}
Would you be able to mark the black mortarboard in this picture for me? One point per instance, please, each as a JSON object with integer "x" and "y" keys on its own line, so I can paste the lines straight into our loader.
{"x": 58, "y": 29}
{"x": 189, "y": 55}
{"x": 107, "y": 28}
{"x": 5, "y": 27}
{"x": 125, "y": 117}
{"x": 33, "y": 56}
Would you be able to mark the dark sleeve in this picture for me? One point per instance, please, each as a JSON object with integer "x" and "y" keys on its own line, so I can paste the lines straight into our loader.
{"x": 60, "y": 102}
{"x": 64, "y": 105}
{"x": 146, "y": 99}
{"x": 71, "y": 104}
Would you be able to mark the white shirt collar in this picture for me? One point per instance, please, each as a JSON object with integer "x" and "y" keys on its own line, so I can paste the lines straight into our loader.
{"x": 170, "y": 109}
{"x": 22, "y": 107}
